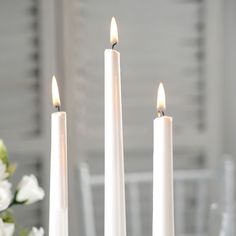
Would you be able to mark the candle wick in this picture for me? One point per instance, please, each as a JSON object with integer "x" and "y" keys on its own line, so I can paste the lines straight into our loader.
{"x": 58, "y": 108}
{"x": 160, "y": 113}
{"x": 113, "y": 45}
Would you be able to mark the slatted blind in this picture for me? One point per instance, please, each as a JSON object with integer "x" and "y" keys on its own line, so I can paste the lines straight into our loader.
{"x": 19, "y": 69}
{"x": 20, "y": 95}
{"x": 164, "y": 40}
{"x": 159, "y": 41}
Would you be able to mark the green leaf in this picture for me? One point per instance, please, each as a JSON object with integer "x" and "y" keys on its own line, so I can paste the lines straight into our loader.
{"x": 3, "y": 153}
{"x": 11, "y": 169}
{"x": 7, "y": 217}
{"x": 23, "y": 232}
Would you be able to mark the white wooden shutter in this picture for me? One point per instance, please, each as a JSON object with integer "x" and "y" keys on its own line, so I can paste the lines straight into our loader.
{"x": 20, "y": 69}
{"x": 160, "y": 41}
{"x": 22, "y": 99}
{"x": 166, "y": 40}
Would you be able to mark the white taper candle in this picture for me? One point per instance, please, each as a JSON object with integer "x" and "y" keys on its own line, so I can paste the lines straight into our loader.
{"x": 58, "y": 212}
{"x": 163, "y": 212}
{"x": 115, "y": 220}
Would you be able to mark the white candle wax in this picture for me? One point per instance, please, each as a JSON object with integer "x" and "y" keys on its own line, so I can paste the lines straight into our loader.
{"x": 58, "y": 212}
{"x": 115, "y": 220}
{"x": 163, "y": 213}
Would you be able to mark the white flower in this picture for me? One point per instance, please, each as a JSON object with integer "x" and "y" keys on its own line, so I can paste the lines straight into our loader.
{"x": 6, "y": 229}
{"x": 5, "y": 194}
{"x": 3, "y": 171}
{"x": 28, "y": 190}
{"x": 36, "y": 232}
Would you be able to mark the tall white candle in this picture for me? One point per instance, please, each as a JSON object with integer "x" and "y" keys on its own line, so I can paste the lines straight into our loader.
{"x": 163, "y": 213}
{"x": 115, "y": 220}
{"x": 58, "y": 212}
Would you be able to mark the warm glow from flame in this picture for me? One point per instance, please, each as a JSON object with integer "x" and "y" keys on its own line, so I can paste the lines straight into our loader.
{"x": 113, "y": 32}
{"x": 55, "y": 93}
{"x": 161, "y": 98}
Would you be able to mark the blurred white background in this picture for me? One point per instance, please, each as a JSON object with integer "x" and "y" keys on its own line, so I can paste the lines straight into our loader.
{"x": 189, "y": 45}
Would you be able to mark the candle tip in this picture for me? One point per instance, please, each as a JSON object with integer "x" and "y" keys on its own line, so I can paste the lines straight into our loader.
{"x": 113, "y": 32}
{"x": 55, "y": 93}
{"x": 161, "y": 100}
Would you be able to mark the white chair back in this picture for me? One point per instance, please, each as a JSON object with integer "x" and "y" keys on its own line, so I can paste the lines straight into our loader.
{"x": 190, "y": 193}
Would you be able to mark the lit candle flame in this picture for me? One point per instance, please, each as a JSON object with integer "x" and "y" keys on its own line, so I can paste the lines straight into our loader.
{"x": 113, "y": 32}
{"x": 55, "y": 93}
{"x": 161, "y": 98}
